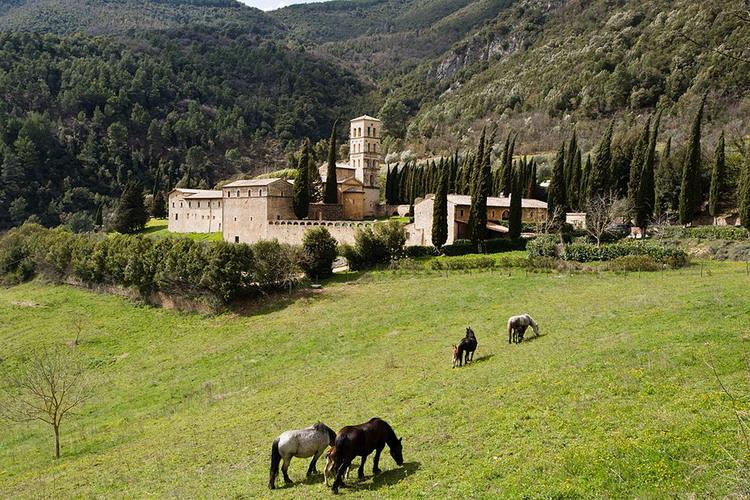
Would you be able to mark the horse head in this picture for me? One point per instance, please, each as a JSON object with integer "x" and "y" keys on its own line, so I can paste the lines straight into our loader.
{"x": 397, "y": 451}
{"x": 470, "y": 332}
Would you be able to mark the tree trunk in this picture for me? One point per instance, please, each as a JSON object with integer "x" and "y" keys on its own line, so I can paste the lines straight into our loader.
{"x": 57, "y": 441}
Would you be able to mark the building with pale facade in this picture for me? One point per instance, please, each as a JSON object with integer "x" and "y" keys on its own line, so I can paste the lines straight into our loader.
{"x": 195, "y": 211}
{"x": 459, "y": 206}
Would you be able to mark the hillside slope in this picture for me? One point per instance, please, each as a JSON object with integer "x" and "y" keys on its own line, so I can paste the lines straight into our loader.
{"x": 614, "y": 400}
{"x": 119, "y": 16}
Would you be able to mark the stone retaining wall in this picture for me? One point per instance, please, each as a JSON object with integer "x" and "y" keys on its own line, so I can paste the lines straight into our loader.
{"x": 292, "y": 231}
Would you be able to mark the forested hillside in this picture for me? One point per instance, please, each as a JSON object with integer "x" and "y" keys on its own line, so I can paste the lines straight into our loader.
{"x": 195, "y": 90}
{"x": 80, "y": 116}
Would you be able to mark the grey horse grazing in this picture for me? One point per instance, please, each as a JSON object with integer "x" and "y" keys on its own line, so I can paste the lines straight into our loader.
{"x": 300, "y": 443}
{"x": 517, "y": 326}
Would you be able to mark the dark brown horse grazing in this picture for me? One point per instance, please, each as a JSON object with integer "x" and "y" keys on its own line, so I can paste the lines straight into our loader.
{"x": 359, "y": 441}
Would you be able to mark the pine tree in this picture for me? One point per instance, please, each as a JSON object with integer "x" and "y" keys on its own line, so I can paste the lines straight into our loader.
{"x": 646, "y": 195}
{"x": 131, "y": 214}
{"x": 574, "y": 188}
{"x": 717, "y": 177}
{"x": 599, "y": 174}
{"x": 331, "y": 190}
{"x": 440, "y": 208}
{"x": 556, "y": 205}
{"x": 159, "y": 208}
{"x": 478, "y": 209}
{"x": 691, "y": 194}
{"x": 743, "y": 197}
{"x": 515, "y": 216}
{"x": 636, "y": 165}
{"x": 508, "y": 178}
{"x": 583, "y": 190}
{"x": 301, "y": 193}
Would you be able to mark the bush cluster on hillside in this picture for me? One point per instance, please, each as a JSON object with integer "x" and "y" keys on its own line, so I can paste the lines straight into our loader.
{"x": 496, "y": 245}
{"x": 375, "y": 244}
{"x": 704, "y": 232}
{"x": 587, "y": 252}
{"x": 174, "y": 266}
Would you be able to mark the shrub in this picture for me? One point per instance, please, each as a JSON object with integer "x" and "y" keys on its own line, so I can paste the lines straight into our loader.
{"x": 414, "y": 252}
{"x": 495, "y": 245}
{"x": 704, "y": 232}
{"x": 586, "y": 252}
{"x": 465, "y": 262}
{"x": 634, "y": 263}
{"x": 318, "y": 252}
{"x": 376, "y": 244}
{"x": 17, "y": 262}
{"x": 542, "y": 246}
{"x": 276, "y": 264}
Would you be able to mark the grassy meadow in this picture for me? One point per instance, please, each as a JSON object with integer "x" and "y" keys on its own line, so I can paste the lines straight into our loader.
{"x": 615, "y": 399}
{"x": 158, "y": 229}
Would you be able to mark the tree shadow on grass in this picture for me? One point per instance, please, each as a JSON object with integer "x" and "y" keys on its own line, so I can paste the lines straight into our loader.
{"x": 386, "y": 478}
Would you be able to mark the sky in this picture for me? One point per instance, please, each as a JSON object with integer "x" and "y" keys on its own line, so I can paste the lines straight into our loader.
{"x": 274, "y": 4}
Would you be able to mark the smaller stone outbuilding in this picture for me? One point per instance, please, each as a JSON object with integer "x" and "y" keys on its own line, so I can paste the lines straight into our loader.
{"x": 498, "y": 211}
{"x": 195, "y": 211}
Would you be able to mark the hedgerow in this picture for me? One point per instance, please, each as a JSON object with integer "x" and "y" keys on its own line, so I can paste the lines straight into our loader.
{"x": 705, "y": 232}
{"x": 175, "y": 266}
{"x": 587, "y": 252}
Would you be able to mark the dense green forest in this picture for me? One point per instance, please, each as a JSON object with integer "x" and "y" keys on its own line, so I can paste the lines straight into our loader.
{"x": 96, "y": 92}
{"x": 81, "y": 116}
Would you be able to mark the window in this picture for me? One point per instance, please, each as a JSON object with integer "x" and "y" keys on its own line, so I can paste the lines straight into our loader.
{"x": 172, "y": 204}
{"x": 180, "y": 204}
{"x": 235, "y": 219}
{"x": 367, "y": 145}
{"x": 219, "y": 203}
{"x": 461, "y": 212}
{"x": 236, "y": 239}
{"x": 229, "y": 194}
{"x": 368, "y": 131}
{"x": 261, "y": 192}
{"x": 248, "y": 193}
{"x": 190, "y": 204}
{"x": 176, "y": 216}
{"x": 238, "y": 193}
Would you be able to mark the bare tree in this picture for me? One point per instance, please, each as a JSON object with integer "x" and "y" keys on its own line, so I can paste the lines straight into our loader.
{"x": 602, "y": 214}
{"x": 47, "y": 389}
{"x": 549, "y": 223}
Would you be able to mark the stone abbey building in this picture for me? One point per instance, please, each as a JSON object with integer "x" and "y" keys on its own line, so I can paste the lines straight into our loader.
{"x": 247, "y": 211}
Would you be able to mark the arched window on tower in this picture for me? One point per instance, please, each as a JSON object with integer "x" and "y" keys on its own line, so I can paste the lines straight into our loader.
{"x": 372, "y": 180}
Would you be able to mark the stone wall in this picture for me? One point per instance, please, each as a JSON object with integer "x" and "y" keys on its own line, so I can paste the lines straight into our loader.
{"x": 292, "y": 231}
{"x": 325, "y": 211}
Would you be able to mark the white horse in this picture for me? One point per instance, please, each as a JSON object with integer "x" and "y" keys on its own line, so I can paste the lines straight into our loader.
{"x": 517, "y": 326}
{"x": 301, "y": 443}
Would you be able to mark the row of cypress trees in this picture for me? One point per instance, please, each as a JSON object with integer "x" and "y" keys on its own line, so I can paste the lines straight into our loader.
{"x": 651, "y": 183}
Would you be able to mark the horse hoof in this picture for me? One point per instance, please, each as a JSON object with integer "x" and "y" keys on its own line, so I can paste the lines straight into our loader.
{"x": 271, "y": 486}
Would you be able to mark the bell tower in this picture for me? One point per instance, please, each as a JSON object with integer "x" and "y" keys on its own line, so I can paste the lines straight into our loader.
{"x": 365, "y": 157}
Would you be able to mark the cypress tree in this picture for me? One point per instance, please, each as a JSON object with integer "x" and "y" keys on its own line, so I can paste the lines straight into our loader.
{"x": 664, "y": 184}
{"x": 691, "y": 194}
{"x": 556, "y": 194}
{"x": 717, "y": 177}
{"x": 508, "y": 178}
{"x": 478, "y": 210}
{"x": 574, "y": 187}
{"x": 585, "y": 174}
{"x": 743, "y": 201}
{"x": 646, "y": 196}
{"x": 440, "y": 209}
{"x": 514, "y": 222}
{"x": 636, "y": 165}
{"x": 599, "y": 174}
{"x": 570, "y": 159}
{"x": 159, "y": 208}
{"x": 301, "y": 194}
{"x": 331, "y": 189}
{"x": 531, "y": 188}
{"x": 131, "y": 214}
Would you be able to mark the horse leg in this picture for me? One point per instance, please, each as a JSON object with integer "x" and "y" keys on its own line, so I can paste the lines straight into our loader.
{"x": 361, "y": 470}
{"x": 312, "y": 468}
{"x": 285, "y": 468}
{"x": 376, "y": 461}
{"x": 343, "y": 468}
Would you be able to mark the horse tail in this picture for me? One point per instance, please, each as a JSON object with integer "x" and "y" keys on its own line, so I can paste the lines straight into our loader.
{"x": 275, "y": 462}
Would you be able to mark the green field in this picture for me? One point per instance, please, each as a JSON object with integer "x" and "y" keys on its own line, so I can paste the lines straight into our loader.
{"x": 158, "y": 228}
{"x": 614, "y": 400}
